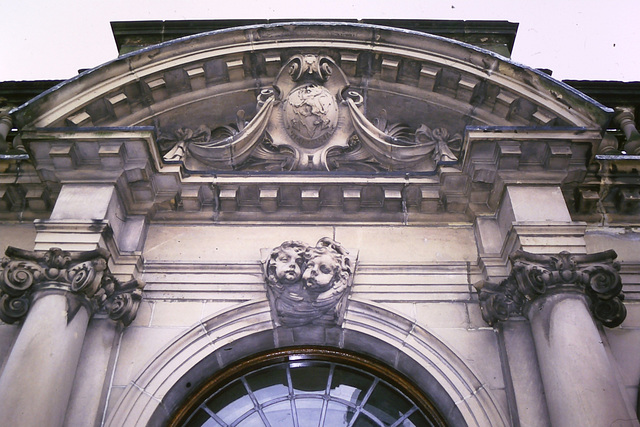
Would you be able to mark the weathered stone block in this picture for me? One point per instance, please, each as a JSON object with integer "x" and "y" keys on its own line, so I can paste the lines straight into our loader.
{"x": 133, "y": 356}
{"x": 442, "y": 315}
{"x": 176, "y": 314}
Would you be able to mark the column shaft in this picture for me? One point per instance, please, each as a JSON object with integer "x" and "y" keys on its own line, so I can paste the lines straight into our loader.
{"x": 37, "y": 379}
{"x": 579, "y": 381}
{"x": 54, "y": 294}
{"x": 563, "y": 296}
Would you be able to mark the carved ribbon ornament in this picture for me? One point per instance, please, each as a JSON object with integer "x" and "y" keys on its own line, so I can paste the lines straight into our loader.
{"x": 533, "y": 275}
{"x": 310, "y": 119}
{"x": 26, "y": 275}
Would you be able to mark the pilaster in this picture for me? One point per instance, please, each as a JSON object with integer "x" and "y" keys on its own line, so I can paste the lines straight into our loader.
{"x": 530, "y": 218}
{"x": 91, "y": 216}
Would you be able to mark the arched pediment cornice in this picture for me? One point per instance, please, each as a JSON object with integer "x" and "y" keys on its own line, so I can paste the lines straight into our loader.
{"x": 189, "y": 79}
{"x": 333, "y": 121}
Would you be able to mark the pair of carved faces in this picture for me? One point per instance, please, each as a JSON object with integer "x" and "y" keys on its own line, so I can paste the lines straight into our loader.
{"x": 308, "y": 284}
{"x": 318, "y": 267}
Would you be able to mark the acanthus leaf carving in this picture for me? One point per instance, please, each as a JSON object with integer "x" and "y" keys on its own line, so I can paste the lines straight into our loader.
{"x": 533, "y": 275}
{"x": 308, "y": 285}
{"x": 85, "y": 274}
{"x": 311, "y": 120}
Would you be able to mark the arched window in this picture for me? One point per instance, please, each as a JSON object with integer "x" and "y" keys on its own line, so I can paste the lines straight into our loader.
{"x": 308, "y": 387}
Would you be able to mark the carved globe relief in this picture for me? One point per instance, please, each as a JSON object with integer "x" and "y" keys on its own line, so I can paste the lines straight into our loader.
{"x": 310, "y": 115}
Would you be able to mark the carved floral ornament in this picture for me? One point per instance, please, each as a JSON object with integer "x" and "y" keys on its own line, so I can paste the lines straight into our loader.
{"x": 532, "y": 276}
{"x": 310, "y": 120}
{"x": 308, "y": 285}
{"x": 26, "y": 275}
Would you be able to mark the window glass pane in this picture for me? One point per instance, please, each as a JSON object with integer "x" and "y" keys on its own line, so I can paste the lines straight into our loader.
{"x": 387, "y": 404}
{"x": 252, "y": 420}
{"x": 269, "y": 384}
{"x": 364, "y": 421}
{"x": 279, "y": 414}
{"x": 231, "y": 402}
{"x": 416, "y": 420}
{"x": 269, "y": 387}
{"x": 350, "y": 385}
{"x": 201, "y": 419}
{"x": 338, "y": 414}
{"x": 310, "y": 379}
{"x": 309, "y": 411}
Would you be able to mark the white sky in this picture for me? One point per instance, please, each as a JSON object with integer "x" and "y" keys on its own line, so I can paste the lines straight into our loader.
{"x": 588, "y": 39}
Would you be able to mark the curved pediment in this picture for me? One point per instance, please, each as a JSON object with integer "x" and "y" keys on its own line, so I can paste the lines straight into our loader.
{"x": 176, "y": 126}
{"x": 403, "y": 95}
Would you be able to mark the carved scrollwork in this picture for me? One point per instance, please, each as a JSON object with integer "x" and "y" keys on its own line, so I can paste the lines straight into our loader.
{"x": 308, "y": 285}
{"x": 533, "y": 275}
{"x": 85, "y": 274}
{"x": 444, "y": 144}
{"x": 121, "y": 300}
{"x": 531, "y": 280}
{"x": 310, "y": 66}
{"x": 310, "y": 119}
{"x": 499, "y": 302}
{"x": 395, "y": 146}
{"x": 85, "y": 277}
{"x": 604, "y": 280}
{"x": 175, "y": 143}
{"x": 17, "y": 276}
{"x": 13, "y": 308}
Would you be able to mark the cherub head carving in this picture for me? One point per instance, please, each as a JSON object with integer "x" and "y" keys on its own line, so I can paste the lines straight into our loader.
{"x": 284, "y": 266}
{"x": 327, "y": 267}
{"x": 308, "y": 284}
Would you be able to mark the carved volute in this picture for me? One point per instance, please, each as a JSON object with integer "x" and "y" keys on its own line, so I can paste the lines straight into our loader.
{"x": 534, "y": 276}
{"x": 308, "y": 285}
{"x": 83, "y": 277}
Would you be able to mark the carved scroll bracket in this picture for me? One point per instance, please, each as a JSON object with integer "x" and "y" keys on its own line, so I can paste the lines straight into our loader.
{"x": 309, "y": 285}
{"x": 84, "y": 277}
{"x": 533, "y": 276}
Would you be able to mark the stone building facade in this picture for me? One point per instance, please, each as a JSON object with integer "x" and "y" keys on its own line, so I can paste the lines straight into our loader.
{"x": 318, "y": 224}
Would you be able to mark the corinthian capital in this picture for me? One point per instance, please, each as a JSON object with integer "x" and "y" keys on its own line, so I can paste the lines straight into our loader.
{"x": 532, "y": 276}
{"x": 25, "y": 274}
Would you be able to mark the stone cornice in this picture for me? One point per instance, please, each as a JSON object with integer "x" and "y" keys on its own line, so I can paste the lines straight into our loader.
{"x": 27, "y": 275}
{"x": 498, "y": 36}
{"x": 130, "y": 159}
{"x": 456, "y": 72}
{"x": 534, "y": 276}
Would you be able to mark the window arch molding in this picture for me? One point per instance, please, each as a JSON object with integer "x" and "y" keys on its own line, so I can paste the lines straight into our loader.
{"x": 370, "y": 329}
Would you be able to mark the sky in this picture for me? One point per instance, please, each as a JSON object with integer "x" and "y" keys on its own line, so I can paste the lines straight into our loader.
{"x": 576, "y": 39}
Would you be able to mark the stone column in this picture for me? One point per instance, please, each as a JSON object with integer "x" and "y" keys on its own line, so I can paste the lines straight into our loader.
{"x": 54, "y": 294}
{"x": 563, "y": 297}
